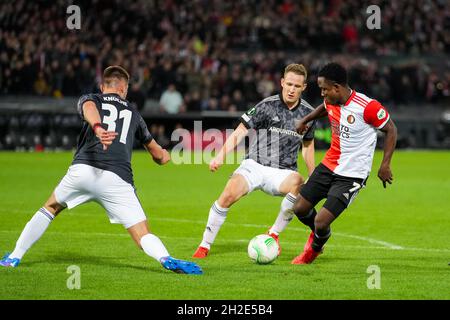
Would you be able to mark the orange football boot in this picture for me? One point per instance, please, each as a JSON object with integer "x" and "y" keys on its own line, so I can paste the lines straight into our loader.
{"x": 201, "y": 252}
{"x": 308, "y": 256}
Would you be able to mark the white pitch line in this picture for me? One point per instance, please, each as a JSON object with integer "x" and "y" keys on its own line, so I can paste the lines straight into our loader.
{"x": 367, "y": 239}
{"x": 340, "y": 234}
{"x": 289, "y": 243}
{"x": 370, "y": 240}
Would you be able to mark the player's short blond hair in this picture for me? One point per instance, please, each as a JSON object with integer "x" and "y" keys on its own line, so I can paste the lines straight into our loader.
{"x": 296, "y": 68}
{"x": 113, "y": 73}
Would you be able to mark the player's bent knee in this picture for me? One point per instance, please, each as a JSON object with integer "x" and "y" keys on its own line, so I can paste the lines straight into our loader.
{"x": 299, "y": 212}
{"x": 297, "y": 181}
{"x": 302, "y": 207}
{"x": 54, "y": 208}
{"x": 324, "y": 219}
{"x": 227, "y": 199}
{"x": 321, "y": 225}
{"x": 235, "y": 189}
{"x": 291, "y": 184}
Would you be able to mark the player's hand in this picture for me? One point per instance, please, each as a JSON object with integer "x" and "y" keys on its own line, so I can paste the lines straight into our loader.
{"x": 215, "y": 164}
{"x": 106, "y": 137}
{"x": 165, "y": 158}
{"x": 301, "y": 126}
{"x": 385, "y": 175}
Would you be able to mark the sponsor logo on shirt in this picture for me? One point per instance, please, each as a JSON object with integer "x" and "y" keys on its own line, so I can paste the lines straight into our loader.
{"x": 340, "y": 129}
{"x": 284, "y": 131}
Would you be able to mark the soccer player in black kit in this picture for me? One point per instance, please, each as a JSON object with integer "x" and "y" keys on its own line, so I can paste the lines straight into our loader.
{"x": 101, "y": 172}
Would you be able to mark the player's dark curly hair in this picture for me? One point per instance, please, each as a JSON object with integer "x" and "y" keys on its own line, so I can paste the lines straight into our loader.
{"x": 335, "y": 72}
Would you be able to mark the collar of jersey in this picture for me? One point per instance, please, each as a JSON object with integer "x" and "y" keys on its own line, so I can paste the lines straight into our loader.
{"x": 350, "y": 98}
{"x": 286, "y": 106}
{"x": 114, "y": 94}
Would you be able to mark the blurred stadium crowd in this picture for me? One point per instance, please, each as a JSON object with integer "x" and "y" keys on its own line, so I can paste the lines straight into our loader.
{"x": 224, "y": 55}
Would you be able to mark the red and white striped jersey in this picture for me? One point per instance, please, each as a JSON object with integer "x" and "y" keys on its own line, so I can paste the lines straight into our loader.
{"x": 354, "y": 135}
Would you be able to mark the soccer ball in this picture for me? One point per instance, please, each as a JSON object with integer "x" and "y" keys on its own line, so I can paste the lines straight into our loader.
{"x": 263, "y": 249}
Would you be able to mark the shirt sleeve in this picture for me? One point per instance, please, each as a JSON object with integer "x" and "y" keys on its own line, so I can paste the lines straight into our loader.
{"x": 142, "y": 134}
{"x": 376, "y": 115}
{"x": 254, "y": 118}
{"x": 88, "y": 97}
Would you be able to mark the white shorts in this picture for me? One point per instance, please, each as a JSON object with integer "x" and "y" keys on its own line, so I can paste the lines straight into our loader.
{"x": 261, "y": 177}
{"x": 84, "y": 183}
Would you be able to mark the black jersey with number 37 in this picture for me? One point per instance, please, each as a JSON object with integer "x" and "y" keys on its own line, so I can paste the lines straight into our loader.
{"x": 117, "y": 115}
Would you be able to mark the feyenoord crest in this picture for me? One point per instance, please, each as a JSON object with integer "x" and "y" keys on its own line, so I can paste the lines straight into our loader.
{"x": 350, "y": 119}
{"x": 381, "y": 114}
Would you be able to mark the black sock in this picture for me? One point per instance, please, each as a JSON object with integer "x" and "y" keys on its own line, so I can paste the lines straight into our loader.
{"x": 320, "y": 238}
{"x": 308, "y": 220}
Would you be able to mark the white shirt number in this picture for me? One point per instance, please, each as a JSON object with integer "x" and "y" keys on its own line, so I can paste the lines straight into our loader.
{"x": 111, "y": 119}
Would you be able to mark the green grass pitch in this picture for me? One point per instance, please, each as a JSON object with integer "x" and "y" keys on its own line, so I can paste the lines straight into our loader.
{"x": 403, "y": 230}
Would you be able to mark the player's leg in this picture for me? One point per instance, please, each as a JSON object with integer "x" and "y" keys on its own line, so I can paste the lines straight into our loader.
{"x": 331, "y": 209}
{"x": 341, "y": 193}
{"x": 287, "y": 184}
{"x": 123, "y": 206}
{"x": 314, "y": 190}
{"x": 33, "y": 231}
{"x": 236, "y": 188}
{"x": 323, "y": 222}
{"x": 69, "y": 193}
{"x": 289, "y": 187}
{"x": 154, "y": 248}
{"x": 148, "y": 242}
{"x": 305, "y": 211}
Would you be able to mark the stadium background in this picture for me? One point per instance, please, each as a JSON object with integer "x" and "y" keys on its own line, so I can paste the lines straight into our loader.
{"x": 222, "y": 57}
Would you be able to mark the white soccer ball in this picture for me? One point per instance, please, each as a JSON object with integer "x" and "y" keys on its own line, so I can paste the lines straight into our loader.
{"x": 263, "y": 249}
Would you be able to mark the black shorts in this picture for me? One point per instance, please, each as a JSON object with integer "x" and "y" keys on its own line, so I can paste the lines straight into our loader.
{"x": 340, "y": 191}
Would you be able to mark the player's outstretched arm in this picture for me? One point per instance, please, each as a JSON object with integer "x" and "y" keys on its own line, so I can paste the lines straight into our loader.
{"x": 160, "y": 156}
{"x": 384, "y": 173}
{"x": 308, "y": 155}
{"x": 233, "y": 140}
{"x": 92, "y": 116}
{"x": 319, "y": 112}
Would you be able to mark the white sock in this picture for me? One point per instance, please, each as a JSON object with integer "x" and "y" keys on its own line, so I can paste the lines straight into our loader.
{"x": 216, "y": 218}
{"x": 285, "y": 215}
{"x": 154, "y": 247}
{"x": 32, "y": 232}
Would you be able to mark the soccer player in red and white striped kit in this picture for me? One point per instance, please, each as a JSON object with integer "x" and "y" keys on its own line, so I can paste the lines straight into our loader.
{"x": 354, "y": 119}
